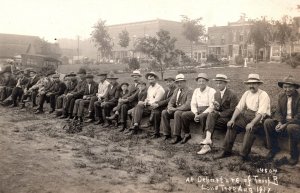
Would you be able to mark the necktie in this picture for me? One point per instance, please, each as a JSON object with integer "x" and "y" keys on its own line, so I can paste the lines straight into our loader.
{"x": 178, "y": 95}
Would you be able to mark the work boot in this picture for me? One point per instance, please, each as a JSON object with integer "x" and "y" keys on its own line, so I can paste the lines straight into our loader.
{"x": 113, "y": 117}
{"x": 176, "y": 140}
{"x": 224, "y": 154}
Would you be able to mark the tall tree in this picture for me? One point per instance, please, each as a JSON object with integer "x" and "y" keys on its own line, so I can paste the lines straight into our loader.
{"x": 160, "y": 48}
{"x": 124, "y": 39}
{"x": 193, "y": 30}
{"x": 102, "y": 39}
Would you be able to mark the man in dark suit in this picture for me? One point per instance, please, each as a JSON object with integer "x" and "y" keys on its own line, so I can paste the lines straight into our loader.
{"x": 90, "y": 90}
{"x": 225, "y": 101}
{"x": 131, "y": 100}
{"x": 287, "y": 119}
{"x": 18, "y": 90}
{"x": 55, "y": 89}
{"x": 7, "y": 83}
{"x": 180, "y": 102}
{"x": 158, "y": 107}
{"x": 28, "y": 92}
{"x": 104, "y": 108}
{"x": 77, "y": 93}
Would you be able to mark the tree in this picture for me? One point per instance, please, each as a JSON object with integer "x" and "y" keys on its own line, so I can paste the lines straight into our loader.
{"x": 102, "y": 39}
{"x": 261, "y": 34}
{"x": 160, "y": 48}
{"x": 193, "y": 30}
{"x": 124, "y": 39}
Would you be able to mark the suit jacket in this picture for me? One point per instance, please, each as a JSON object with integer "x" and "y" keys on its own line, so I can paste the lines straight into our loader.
{"x": 11, "y": 82}
{"x": 71, "y": 86}
{"x": 167, "y": 96}
{"x": 141, "y": 96}
{"x": 32, "y": 82}
{"x": 123, "y": 95}
{"x": 132, "y": 96}
{"x": 112, "y": 93}
{"x": 57, "y": 88}
{"x": 281, "y": 110}
{"x": 79, "y": 89}
{"x": 92, "y": 91}
{"x": 184, "y": 100}
{"x": 227, "y": 103}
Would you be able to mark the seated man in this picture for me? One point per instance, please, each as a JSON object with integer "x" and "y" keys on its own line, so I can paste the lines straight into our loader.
{"x": 90, "y": 90}
{"x": 77, "y": 93}
{"x": 179, "y": 103}
{"x": 18, "y": 90}
{"x": 286, "y": 120}
{"x": 104, "y": 107}
{"x": 55, "y": 88}
{"x": 7, "y": 83}
{"x": 225, "y": 101}
{"x": 102, "y": 89}
{"x": 158, "y": 107}
{"x": 201, "y": 105}
{"x": 248, "y": 115}
{"x": 155, "y": 93}
{"x": 28, "y": 92}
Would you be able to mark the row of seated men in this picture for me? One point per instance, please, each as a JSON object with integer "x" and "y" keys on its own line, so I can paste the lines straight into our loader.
{"x": 204, "y": 105}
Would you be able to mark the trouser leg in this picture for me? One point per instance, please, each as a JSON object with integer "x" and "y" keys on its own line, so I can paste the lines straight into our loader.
{"x": 52, "y": 99}
{"x": 138, "y": 113}
{"x": 123, "y": 112}
{"x": 42, "y": 101}
{"x": 98, "y": 110}
{"x": 185, "y": 120}
{"x": 293, "y": 131}
{"x": 76, "y": 106}
{"x": 82, "y": 104}
{"x": 249, "y": 139}
{"x": 165, "y": 122}
{"x": 91, "y": 107}
{"x": 178, "y": 126}
{"x": 271, "y": 134}
{"x": 156, "y": 118}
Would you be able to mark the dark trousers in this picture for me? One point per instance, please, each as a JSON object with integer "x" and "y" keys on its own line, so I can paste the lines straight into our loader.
{"x": 68, "y": 104}
{"x": 165, "y": 122}
{"x": 91, "y": 108}
{"x": 102, "y": 112}
{"x": 16, "y": 95}
{"x": 59, "y": 101}
{"x": 32, "y": 94}
{"x": 123, "y": 114}
{"x": 5, "y": 92}
{"x": 138, "y": 112}
{"x": 79, "y": 107}
{"x": 240, "y": 124}
{"x": 188, "y": 117}
{"x": 50, "y": 99}
{"x": 293, "y": 131}
{"x": 155, "y": 119}
{"x": 214, "y": 120}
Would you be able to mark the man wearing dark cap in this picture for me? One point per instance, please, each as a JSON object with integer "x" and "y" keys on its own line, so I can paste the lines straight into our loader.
{"x": 77, "y": 93}
{"x": 50, "y": 94}
{"x": 179, "y": 103}
{"x": 104, "y": 108}
{"x": 7, "y": 83}
{"x": 102, "y": 89}
{"x": 90, "y": 90}
{"x": 158, "y": 107}
{"x": 286, "y": 120}
{"x": 28, "y": 92}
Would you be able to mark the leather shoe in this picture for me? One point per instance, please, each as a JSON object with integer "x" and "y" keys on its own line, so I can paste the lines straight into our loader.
{"x": 146, "y": 125}
{"x": 185, "y": 139}
{"x": 132, "y": 132}
{"x": 167, "y": 137}
{"x": 113, "y": 117}
{"x": 155, "y": 136}
{"x": 122, "y": 129}
{"x": 38, "y": 111}
{"x": 223, "y": 155}
{"x": 106, "y": 125}
{"x": 89, "y": 121}
{"x": 176, "y": 140}
{"x": 98, "y": 122}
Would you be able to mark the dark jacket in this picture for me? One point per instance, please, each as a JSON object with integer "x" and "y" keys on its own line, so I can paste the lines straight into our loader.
{"x": 71, "y": 86}
{"x": 92, "y": 91}
{"x": 10, "y": 82}
{"x": 79, "y": 89}
{"x": 57, "y": 88}
{"x": 184, "y": 100}
{"x": 167, "y": 96}
{"x": 112, "y": 93}
{"x": 133, "y": 94}
{"x": 141, "y": 95}
{"x": 227, "y": 103}
{"x": 123, "y": 95}
{"x": 32, "y": 81}
{"x": 281, "y": 110}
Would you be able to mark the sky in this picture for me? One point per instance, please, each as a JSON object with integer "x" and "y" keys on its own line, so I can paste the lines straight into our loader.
{"x": 56, "y": 19}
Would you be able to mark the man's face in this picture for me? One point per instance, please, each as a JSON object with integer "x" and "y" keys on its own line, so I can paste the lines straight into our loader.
{"x": 169, "y": 83}
{"x": 67, "y": 79}
{"x": 102, "y": 78}
{"x": 221, "y": 85}
{"x": 124, "y": 87}
{"x": 288, "y": 89}
{"x": 202, "y": 83}
{"x": 55, "y": 79}
{"x": 32, "y": 74}
{"x": 151, "y": 80}
{"x": 81, "y": 76}
{"x": 181, "y": 84}
{"x": 112, "y": 81}
{"x": 253, "y": 87}
{"x": 141, "y": 86}
{"x": 136, "y": 78}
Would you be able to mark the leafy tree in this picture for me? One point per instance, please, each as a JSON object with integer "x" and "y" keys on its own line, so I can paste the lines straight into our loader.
{"x": 193, "y": 30}
{"x": 161, "y": 48}
{"x": 133, "y": 64}
{"x": 102, "y": 39}
{"x": 124, "y": 39}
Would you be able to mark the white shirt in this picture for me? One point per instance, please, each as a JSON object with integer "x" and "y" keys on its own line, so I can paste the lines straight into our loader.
{"x": 202, "y": 99}
{"x": 89, "y": 85}
{"x": 222, "y": 92}
{"x": 177, "y": 97}
{"x": 258, "y": 102}
{"x": 289, "y": 108}
{"x": 102, "y": 88}
{"x": 154, "y": 94}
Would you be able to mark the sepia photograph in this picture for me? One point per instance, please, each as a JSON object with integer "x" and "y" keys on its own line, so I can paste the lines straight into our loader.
{"x": 149, "y": 96}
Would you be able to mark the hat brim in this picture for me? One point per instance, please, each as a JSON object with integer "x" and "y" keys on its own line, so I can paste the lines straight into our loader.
{"x": 136, "y": 75}
{"x": 166, "y": 79}
{"x": 253, "y": 81}
{"x": 125, "y": 83}
{"x": 202, "y": 78}
{"x": 178, "y": 80}
{"x": 115, "y": 78}
{"x": 104, "y": 74}
{"x": 280, "y": 84}
{"x": 219, "y": 79}
{"x": 151, "y": 74}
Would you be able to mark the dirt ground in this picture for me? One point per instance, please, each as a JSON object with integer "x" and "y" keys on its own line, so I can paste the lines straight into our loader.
{"x": 37, "y": 155}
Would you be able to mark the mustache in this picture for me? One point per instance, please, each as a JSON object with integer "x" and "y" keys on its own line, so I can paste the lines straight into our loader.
{"x": 252, "y": 88}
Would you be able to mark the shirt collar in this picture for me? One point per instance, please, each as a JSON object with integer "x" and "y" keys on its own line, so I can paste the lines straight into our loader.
{"x": 223, "y": 91}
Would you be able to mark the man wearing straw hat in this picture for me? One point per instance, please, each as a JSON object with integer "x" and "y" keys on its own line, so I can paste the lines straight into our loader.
{"x": 248, "y": 116}
{"x": 155, "y": 94}
{"x": 286, "y": 120}
{"x": 179, "y": 103}
{"x": 225, "y": 101}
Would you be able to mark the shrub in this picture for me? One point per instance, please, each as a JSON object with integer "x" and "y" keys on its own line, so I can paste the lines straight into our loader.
{"x": 133, "y": 64}
{"x": 293, "y": 60}
{"x": 239, "y": 60}
{"x": 186, "y": 71}
{"x": 212, "y": 59}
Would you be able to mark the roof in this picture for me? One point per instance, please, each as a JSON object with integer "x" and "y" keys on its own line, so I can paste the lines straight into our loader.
{"x": 143, "y": 22}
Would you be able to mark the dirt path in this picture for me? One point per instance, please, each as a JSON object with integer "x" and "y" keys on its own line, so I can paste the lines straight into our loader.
{"x": 36, "y": 155}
